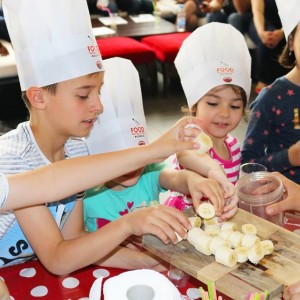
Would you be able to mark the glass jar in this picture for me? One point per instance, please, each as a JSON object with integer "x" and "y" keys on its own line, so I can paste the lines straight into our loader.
{"x": 258, "y": 190}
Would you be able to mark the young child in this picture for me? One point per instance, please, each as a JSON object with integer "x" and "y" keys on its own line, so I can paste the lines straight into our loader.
{"x": 58, "y": 65}
{"x": 273, "y": 132}
{"x": 124, "y": 125}
{"x": 214, "y": 67}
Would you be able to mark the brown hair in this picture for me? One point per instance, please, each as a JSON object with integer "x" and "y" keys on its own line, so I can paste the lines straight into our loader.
{"x": 237, "y": 90}
{"x": 287, "y": 57}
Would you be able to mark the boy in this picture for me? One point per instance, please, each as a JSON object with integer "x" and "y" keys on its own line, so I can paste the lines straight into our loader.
{"x": 60, "y": 69}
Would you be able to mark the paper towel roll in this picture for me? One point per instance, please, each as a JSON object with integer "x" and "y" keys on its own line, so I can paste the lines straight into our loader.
{"x": 140, "y": 285}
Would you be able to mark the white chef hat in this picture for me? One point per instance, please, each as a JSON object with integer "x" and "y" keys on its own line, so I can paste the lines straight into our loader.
{"x": 214, "y": 54}
{"x": 52, "y": 40}
{"x": 122, "y": 123}
{"x": 289, "y": 15}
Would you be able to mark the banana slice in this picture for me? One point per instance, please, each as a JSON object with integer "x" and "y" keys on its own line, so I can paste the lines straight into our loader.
{"x": 255, "y": 254}
{"x": 216, "y": 242}
{"x": 249, "y": 229}
{"x": 206, "y": 210}
{"x": 249, "y": 240}
{"x": 212, "y": 230}
{"x": 195, "y": 221}
{"x": 241, "y": 254}
{"x": 179, "y": 238}
{"x": 235, "y": 239}
{"x": 203, "y": 244}
{"x": 267, "y": 247}
{"x": 195, "y": 234}
{"x": 226, "y": 256}
{"x": 229, "y": 225}
{"x": 225, "y": 234}
{"x": 212, "y": 221}
{"x": 205, "y": 142}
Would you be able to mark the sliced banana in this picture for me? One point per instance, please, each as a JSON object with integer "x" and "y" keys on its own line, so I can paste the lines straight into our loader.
{"x": 206, "y": 210}
{"x": 225, "y": 234}
{"x": 235, "y": 239}
{"x": 212, "y": 221}
{"x": 205, "y": 142}
{"x": 216, "y": 242}
{"x": 267, "y": 247}
{"x": 241, "y": 254}
{"x": 255, "y": 254}
{"x": 212, "y": 230}
{"x": 195, "y": 234}
{"x": 226, "y": 256}
{"x": 195, "y": 221}
{"x": 249, "y": 229}
{"x": 203, "y": 244}
{"x": 229, "y": 225}
{"x": 249, "y": 240}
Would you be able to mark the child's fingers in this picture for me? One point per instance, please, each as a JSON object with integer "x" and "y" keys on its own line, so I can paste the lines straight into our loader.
{"x": 228, "y": 214}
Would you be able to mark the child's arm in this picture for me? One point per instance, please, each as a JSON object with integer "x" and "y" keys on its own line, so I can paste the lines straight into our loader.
{"x": 4, "y": 293}
{"x": 61, "y": 255}
{"x": 204, "y": 165}
{"x": 188, "y": 182}
{"x": 68, "y": 177}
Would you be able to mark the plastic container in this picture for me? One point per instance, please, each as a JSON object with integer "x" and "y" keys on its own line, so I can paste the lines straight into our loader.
{"x": 181, "y": 18}
{"x": 258, "y": 190}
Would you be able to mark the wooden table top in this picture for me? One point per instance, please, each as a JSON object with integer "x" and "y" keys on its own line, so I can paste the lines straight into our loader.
{"x": 272, "y": 273}
{"x": 139, "y": 30}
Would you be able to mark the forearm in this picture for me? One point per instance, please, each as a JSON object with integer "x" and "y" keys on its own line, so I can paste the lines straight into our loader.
{"x": 61, "y": 179}
{"x": 258, "y": 15}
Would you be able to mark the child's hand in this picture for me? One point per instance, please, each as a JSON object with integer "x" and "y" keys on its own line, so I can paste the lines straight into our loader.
{"x": 178, "y": 138}
{"x": 4, "y": 293}
{"x": 201, "y": 187}
{"x": 230, "y": 208}
{"x": 160, "y": 220}
{"x": 292, "y": 292}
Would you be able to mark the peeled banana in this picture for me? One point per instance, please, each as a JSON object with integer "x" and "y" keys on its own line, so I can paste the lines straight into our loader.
{"x": 205, "y": 142}
{"x": 255, "y": 254}
{"x": 267, "y": 247}
{"x": 249, "y": 229}
{"x": 212, "y": 230}
{"x": 206, "y": 210}
{"x": 195, "y": 221}
{"x": 229, "y": 225}
{"x": 226, "y": 256}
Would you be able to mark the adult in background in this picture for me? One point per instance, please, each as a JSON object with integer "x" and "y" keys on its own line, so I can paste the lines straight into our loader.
{"x": 3, "y": 34}
{"x": 266, "y": 32}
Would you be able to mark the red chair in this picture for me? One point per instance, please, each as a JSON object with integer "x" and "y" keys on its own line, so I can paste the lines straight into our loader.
{"x": 140, "y": 54}
{"x": 166, "y": 47}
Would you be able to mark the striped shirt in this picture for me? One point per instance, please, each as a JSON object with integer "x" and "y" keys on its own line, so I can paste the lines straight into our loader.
{"x": 19, "y": 152}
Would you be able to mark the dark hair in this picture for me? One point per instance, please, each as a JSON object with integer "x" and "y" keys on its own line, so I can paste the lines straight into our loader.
{"x": 237, "y": 89}
{"x": 287, "y": 57}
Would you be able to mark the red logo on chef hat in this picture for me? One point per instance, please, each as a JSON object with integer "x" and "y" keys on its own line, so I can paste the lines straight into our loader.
{"x": 227, "y": 79}
{"x": 141, "y": 143}
{"x": 99, "y": 64}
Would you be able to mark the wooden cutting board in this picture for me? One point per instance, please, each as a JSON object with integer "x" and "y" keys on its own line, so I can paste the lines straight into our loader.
{"x": 272, "y": 273}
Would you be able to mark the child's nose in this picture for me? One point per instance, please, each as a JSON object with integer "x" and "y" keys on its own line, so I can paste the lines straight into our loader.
{"x": 96, "y": 105}
{"x": 224, "y": 111}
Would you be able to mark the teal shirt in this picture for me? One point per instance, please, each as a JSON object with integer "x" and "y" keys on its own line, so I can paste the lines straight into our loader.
{"x": 102, "y": 205}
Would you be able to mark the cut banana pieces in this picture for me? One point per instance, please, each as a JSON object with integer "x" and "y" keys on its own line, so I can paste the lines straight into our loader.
{"x": 241, "y": 254}
{"x": 255, "y": 254}
{"x": 226, "y": 256}
{"x": 206, "y": 210}
{"x": 267, "y": 247}
{"x": 212, "y": 230}
{"x": 205, "y": 142}
{"x": 225, "y": 241}
{"x": 249, "y": 229}
{"x": 195, "y": 221}
{"x": 229, "y": 225}
{"x": 249, "y": 240}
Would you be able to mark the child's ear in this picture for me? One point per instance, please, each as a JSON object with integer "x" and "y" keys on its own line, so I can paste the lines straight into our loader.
{"x": 36, "y": 97}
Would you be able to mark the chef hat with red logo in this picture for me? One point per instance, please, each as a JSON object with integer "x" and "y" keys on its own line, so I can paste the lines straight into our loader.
{"x": 289, "y": 13}
{"x": 214, "y": 54}
{"x": 122, "y": 124}
{"x": 52, "y": 40}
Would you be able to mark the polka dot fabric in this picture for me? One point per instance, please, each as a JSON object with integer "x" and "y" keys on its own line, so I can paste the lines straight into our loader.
{"x": 31, "y": 281}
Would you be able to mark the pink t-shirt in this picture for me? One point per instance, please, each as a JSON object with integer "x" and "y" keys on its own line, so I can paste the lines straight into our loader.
{"x": 231, "y": 168}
